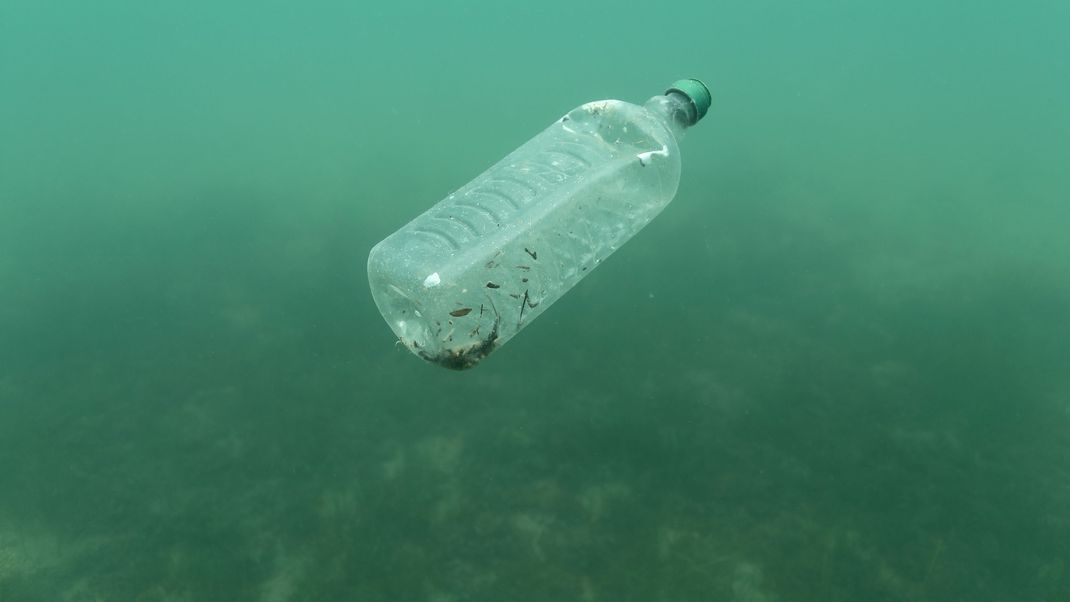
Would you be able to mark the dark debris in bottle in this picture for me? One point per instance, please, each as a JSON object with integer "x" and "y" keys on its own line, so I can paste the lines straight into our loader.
{"x": 466, "y": 356}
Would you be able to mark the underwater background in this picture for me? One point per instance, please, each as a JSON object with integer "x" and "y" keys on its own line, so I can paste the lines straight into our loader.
{"x": 836, "y": 368}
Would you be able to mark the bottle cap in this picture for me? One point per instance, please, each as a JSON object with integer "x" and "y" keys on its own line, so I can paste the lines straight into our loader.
{"x": 696, "y": 92}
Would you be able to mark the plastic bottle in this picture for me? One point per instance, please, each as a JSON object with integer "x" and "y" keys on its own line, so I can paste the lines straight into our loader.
{"x": 464, "y": 277}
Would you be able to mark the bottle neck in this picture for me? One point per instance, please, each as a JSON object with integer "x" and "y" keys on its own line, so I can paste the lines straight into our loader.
{"x": 675, "y": 110}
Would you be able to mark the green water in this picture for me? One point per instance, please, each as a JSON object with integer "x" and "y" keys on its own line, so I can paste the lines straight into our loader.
{"x": 837, "y": 368}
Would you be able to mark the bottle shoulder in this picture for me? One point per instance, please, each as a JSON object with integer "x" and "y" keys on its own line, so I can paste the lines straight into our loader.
{"x": 622, "y": 124}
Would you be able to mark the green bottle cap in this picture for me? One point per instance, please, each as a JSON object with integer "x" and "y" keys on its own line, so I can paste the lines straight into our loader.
{"x": 696, "y": 92}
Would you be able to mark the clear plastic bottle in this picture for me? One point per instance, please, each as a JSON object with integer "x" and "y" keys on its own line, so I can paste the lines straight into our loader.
{"x": 464, "y": 277}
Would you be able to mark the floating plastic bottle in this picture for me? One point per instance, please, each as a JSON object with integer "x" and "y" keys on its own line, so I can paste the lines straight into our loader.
{"x": 464, "y": 277}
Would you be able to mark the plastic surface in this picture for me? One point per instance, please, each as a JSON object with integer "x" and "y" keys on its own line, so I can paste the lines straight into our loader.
{"x": 464, "y": 277}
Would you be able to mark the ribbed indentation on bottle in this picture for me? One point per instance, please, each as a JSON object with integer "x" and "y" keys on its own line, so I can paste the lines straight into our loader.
{"x": 456, "y": 227}
{"x": 482, "y": 208}
{"x": 470, "y": 227}
{"x": 437, "y": 234}
{"x": 521, "y": 190}
{"x": 497, "y": 197}
{"x": 505, "y": 205}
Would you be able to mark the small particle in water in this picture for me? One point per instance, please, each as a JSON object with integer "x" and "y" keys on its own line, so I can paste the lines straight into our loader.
{"x": 492, "y": 285}
{"x": 464, "y": 311}
{"x": 533, "y": 254}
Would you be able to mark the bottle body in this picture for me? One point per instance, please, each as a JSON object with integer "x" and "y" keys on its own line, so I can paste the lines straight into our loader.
{"x": 464, "y": 277}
